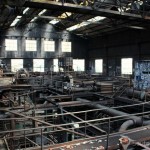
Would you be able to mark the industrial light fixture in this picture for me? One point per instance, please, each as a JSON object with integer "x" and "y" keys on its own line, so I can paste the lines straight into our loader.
{"x": 42, "y": 12}
{"x": 24, "y": 12}
{"x": 15, "y": 21}
{"x": 85, "y": 23}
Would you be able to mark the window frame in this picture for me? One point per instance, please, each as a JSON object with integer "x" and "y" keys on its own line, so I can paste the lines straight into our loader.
{"x": 17, "y": 64}
{"x": 37, "y": 68}
{"x": 66, "y": 46}
{"x": 77, "y": 69}
{"x": 28, "y": 47}
{"x": 126, "y": 66}
{"x": 49, "y": 46}
{"x": 101, "y": 70}
{"x": 12, "y": 45}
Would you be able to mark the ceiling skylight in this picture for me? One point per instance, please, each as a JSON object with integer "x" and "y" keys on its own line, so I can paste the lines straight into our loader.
{"x": 33, "y": 19}
{"x": 65, "y": 15}
{"x": 24, "y": 12}
{"x": 62, "y": 16}
{"x": 42, "y": 12}
{"x": 95, "y": 19}
{"x": 85, "y": 23}
{"x": 15, "y": 21}
{"x": 54, "y": 21}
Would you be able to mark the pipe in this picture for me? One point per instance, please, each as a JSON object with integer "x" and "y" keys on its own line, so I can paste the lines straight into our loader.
{"x": 142, "y": 95}
{"x": 131, "y": 120}
{"x": 126, "y": 125}
{"x": 130, "y": 123}
{"x": 145, "y": 123}
{"x": 86, "y": 83}
{"x": 74, "y": 89}
{"x": 131, "y": 101}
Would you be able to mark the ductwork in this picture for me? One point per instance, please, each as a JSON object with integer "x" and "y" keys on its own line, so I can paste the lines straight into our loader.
{"x": 130, "y": 123}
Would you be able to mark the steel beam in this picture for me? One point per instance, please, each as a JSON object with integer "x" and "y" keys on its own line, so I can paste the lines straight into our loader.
{"x": 67, "y": 7}
{"x": 46, "y": 123}
{"x": 91, "y": 125}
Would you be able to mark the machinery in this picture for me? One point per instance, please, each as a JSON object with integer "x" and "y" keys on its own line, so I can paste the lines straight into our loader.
{"x": 21, "y": 76}
{"x": 73, "y": 112}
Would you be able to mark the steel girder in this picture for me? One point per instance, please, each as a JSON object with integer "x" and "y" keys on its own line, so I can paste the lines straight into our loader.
{"x": 68, "y": 7}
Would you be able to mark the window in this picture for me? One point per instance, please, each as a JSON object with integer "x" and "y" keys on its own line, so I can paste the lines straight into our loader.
{"x": 31, "y": 45}
{"x": 126, "y": 65}
{"x": 11, "y": 45}
{"x": 16, "y": 64}
{"x": 66, "y": 46}
{"x": 78, "y": 64}
{"x": 38, "y": 65}
{"x": 49, "y": 46}
{"x": 55, "y": 63}
{"x": 99, "y": 65}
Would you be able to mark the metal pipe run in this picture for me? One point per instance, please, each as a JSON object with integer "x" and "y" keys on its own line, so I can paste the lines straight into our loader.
{"x": 142, "y": 95}
{"x": 86, "y": 83}
{"x": 131, "y": 120}
{"x": 81, "y": 89}
{"x": 125, "y": 100}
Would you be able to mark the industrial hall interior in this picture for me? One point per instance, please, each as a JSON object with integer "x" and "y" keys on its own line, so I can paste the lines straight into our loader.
{"x": 74, "y": 74}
